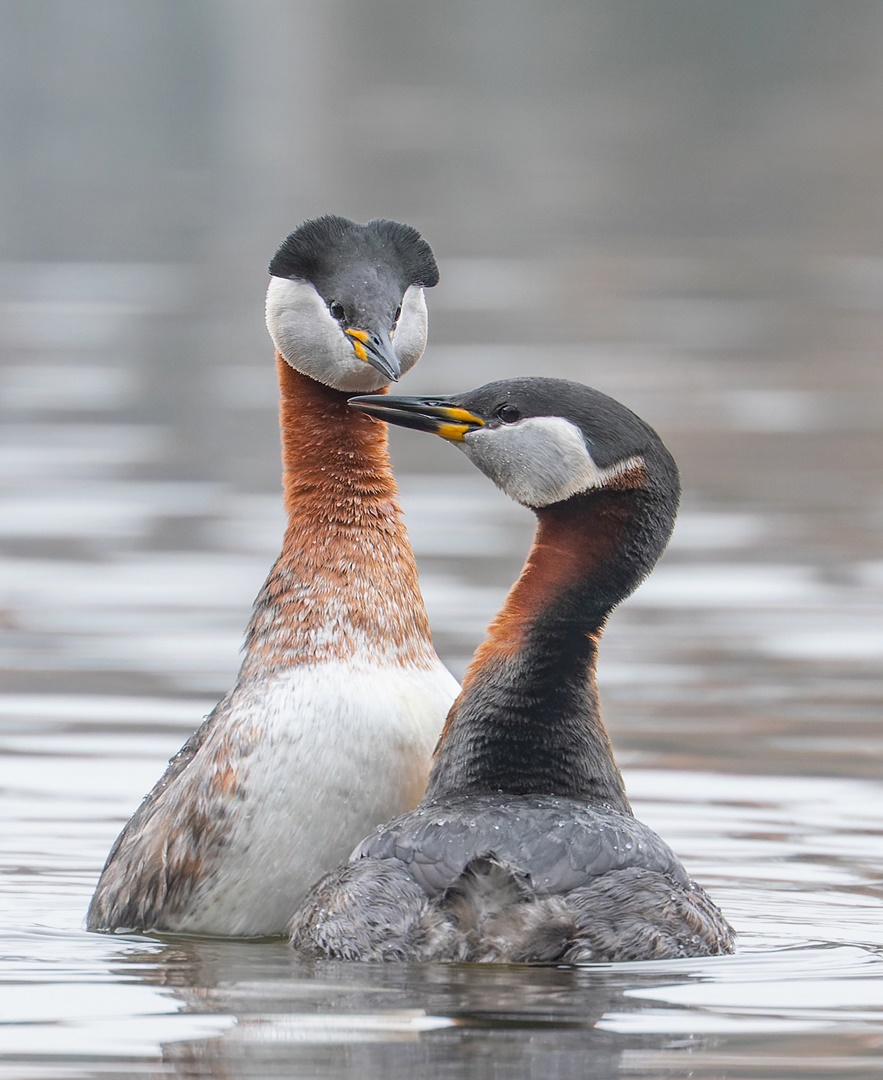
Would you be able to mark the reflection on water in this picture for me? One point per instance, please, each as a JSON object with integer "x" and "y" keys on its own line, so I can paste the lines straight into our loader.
{"x": 680, "y": 208}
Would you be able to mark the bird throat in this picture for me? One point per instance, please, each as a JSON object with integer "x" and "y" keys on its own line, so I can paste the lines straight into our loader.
{"x": 344, "y": 587}
{"x": 528, "y": 719}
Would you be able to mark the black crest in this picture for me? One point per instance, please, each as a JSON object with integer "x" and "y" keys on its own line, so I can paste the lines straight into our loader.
{"x": 325, "y": 247}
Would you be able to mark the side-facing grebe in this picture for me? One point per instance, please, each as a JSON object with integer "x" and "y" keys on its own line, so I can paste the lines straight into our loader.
{"x": 340, "y": 699}
{"x": 525, "y": 848}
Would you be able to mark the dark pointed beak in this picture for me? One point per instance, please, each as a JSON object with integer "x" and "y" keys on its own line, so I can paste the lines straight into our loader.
{"x": 375, "y": 347}
{"x": 434, "y": 415}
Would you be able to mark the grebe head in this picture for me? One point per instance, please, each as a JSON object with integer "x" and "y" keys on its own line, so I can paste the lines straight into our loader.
{"x": 542, "y": 441}
{"x": 345, "y": 302}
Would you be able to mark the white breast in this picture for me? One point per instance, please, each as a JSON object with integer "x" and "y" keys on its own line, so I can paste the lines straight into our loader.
{"x": 361, "y": 737}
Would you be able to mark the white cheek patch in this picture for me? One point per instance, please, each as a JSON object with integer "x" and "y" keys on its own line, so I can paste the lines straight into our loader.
{"x": 540, "y": 461}
{"x": 409, "y": 338}
{"x": 303, "y": 330}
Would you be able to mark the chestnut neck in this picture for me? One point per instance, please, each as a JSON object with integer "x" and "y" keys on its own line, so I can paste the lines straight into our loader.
{"x": 528, "y": 719}
{"x": 345, "y": 584}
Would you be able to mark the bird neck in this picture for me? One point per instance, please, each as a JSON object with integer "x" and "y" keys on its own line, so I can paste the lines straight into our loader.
{"x": 528, "y": 720}
{"x": 345, "y": 584}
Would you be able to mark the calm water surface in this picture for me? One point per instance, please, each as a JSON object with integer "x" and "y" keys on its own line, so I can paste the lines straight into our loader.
{"x": 696, "y": 231}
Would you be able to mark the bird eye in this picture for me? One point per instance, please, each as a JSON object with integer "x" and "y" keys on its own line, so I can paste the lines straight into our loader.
{"x": 509, "y": 413}
{"x": 395, "y": 317}
{"x": 336, "y": 309}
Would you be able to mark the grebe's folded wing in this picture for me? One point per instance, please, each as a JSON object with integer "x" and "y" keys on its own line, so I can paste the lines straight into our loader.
{"x": 564, "y": 843}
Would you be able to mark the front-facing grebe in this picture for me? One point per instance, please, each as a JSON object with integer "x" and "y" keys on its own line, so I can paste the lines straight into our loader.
{"x": 525, "y": 848}
{"x": 340, "y": 697}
